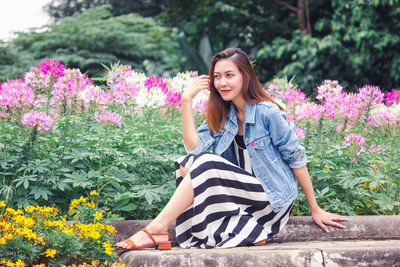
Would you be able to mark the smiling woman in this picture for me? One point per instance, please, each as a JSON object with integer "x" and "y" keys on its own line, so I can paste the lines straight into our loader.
{"x": 21, "y": 15}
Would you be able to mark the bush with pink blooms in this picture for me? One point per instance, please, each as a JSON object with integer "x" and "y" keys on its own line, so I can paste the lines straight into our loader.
{"x": 351, "y": 142}
{"x": 63, "y": 135}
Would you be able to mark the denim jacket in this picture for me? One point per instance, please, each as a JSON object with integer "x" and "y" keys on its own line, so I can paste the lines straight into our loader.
{"x": 272, "y": 145}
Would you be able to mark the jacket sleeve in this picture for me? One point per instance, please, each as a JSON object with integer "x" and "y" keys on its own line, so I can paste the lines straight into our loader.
{"x": 205, "y": 141}
{"x": 284, "y": 138}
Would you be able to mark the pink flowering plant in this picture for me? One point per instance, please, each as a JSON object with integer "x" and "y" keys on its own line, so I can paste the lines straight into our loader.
{"x": 350, "y": 138}
{"x": 62, "y": 134}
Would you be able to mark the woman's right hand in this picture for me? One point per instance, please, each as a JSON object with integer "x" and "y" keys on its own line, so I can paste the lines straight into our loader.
{"x": 200, "y": 83}
{"x": 189, "y": 132}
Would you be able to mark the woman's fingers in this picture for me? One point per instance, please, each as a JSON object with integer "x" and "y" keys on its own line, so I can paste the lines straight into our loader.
{"x": 200, "y": 83}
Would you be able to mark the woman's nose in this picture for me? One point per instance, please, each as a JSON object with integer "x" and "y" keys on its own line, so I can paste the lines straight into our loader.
{"x": 223, "y": 81}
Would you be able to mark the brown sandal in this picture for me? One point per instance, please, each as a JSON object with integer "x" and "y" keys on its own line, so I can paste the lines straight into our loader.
{"x": 161, "y": 245}
{"x": 260, "y": 243}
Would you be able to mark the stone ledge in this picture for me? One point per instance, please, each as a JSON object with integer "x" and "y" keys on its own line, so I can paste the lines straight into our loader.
{"x": 313, "y": 254}
{"x": 304, "y": 229}
{"x": 366, "y": 241}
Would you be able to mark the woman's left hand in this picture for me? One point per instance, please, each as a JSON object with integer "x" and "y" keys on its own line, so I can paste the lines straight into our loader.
{"x": 322, "y": 217}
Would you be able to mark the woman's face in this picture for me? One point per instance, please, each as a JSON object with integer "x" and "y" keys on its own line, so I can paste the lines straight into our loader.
{"x": 228, "y": 80}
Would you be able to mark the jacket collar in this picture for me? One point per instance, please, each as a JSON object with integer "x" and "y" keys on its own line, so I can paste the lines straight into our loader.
{"x": 250, "y": 113}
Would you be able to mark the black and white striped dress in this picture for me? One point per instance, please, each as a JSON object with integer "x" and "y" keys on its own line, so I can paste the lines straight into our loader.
{"x": 230, "y": 207}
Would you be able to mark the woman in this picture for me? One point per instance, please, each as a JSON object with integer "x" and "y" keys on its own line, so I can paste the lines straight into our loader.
{"x": 242, "y": 193}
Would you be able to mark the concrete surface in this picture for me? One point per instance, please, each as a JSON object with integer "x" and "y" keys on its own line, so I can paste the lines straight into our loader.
{"x": 366, "y": 241}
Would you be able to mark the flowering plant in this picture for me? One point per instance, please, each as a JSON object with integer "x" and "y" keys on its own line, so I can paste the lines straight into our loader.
{"x": 62, "y": 134}
{"x": 39, "y": 236}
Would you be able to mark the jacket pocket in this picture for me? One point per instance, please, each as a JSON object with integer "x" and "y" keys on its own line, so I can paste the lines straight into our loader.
{"x": 263, "y": 146}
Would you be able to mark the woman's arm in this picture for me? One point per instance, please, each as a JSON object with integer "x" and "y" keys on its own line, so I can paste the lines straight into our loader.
{"x": 189, "y": 132}
{"x": 319, "y": 216}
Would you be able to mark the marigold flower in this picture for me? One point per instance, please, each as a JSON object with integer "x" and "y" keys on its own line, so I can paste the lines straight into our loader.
{"x": 97, "y": 216}
{"x": 107, "y": 248}
{"x": 50, "y": 253}
{"x": 93, "y": 193}
{"x": 20, "y": 263}
{"x": 2, "y": 204}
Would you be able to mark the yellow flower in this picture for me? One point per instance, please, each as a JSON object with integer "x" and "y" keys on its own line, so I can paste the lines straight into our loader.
{"x": 10, "y": 264}
{"x": 97, "y": 216}
{"x": 90, "y": 205}
{"x": 2, "y": 204}
{"x": 107, "y": 248}
{"x": 30, "y": 209}
{"x": 20, "y": 263}
{"x": 93, "y": 193}
{"x": 50, "y": 252}
{"x": 327, "y": 167}
{"x": 117, "y": 264}
{"x": 40, "y": 265}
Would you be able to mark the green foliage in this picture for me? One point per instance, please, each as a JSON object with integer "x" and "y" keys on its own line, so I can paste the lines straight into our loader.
{"x": 38, "y": 235}
{"x": 349, "y": 184}
{"x": 229, "y": 23}
{"x": 86, "y": 40}
{"x": 358, "y": 43}
{"x": 59, "y": 9}
{"x": 14, "y": 62}
{"x": 131, "y": 166}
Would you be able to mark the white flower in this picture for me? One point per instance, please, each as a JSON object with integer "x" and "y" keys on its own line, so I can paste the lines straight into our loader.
{"x": 153, "y": 98}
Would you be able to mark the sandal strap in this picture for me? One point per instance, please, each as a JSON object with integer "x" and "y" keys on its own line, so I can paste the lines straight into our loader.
{"x": 150, "y": 235}
{"x": 130, "y": 243}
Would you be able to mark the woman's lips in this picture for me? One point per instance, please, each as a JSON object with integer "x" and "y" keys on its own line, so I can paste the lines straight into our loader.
{"x": 224, "y": 92}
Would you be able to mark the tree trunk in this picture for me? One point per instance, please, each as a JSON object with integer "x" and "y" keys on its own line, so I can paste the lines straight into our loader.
{"x": 301, "y": 20}
{"x": 303, "y": 16}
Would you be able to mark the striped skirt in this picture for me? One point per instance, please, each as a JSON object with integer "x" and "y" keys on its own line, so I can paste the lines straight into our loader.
{"x": 230, "y": 207}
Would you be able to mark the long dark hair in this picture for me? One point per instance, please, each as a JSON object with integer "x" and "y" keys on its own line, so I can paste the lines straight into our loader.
{"x": 252, "y": 90}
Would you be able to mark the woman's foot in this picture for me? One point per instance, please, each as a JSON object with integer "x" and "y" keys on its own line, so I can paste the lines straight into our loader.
{"x": 141, "y": 239}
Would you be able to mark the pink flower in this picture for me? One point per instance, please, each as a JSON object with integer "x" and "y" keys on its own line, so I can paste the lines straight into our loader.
{"x": 121, "y": 72}
{"x": 328, "y": 111}
{"x": 68, "y": 86}
{"x": 108, "y": 118}
{"x": 53, "y": 67}
{"x": 392, "y": 97}
{"x": 288, "y": 92}
{"x": 122, "y": 91}
{"x": 339, "y": 127}
{"x": 201, "y": 107}
{"x": 96, "y": 95}
{"x": 375, "y": 148}
{"x": 356, "y": 139}
{"x": 37, "y": 80}
{"x": 38, "y": 119}
{"x": 369, "y": 93}
{"x": 173, "y": 99}
{"x": 299, "y": 132}
{"x": 16, "y": 94}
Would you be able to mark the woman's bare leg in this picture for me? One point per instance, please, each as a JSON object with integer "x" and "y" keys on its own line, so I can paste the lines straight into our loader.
{"x": 180, "y": 201}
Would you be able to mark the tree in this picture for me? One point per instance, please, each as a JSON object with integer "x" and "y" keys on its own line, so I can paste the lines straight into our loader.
{"x": 356, "y": 42}
{"x": 95, "y": 36}
{"x": 59, "y": 9}
{"x": 220, "y": 24}
{"x": 303, "y": 14}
